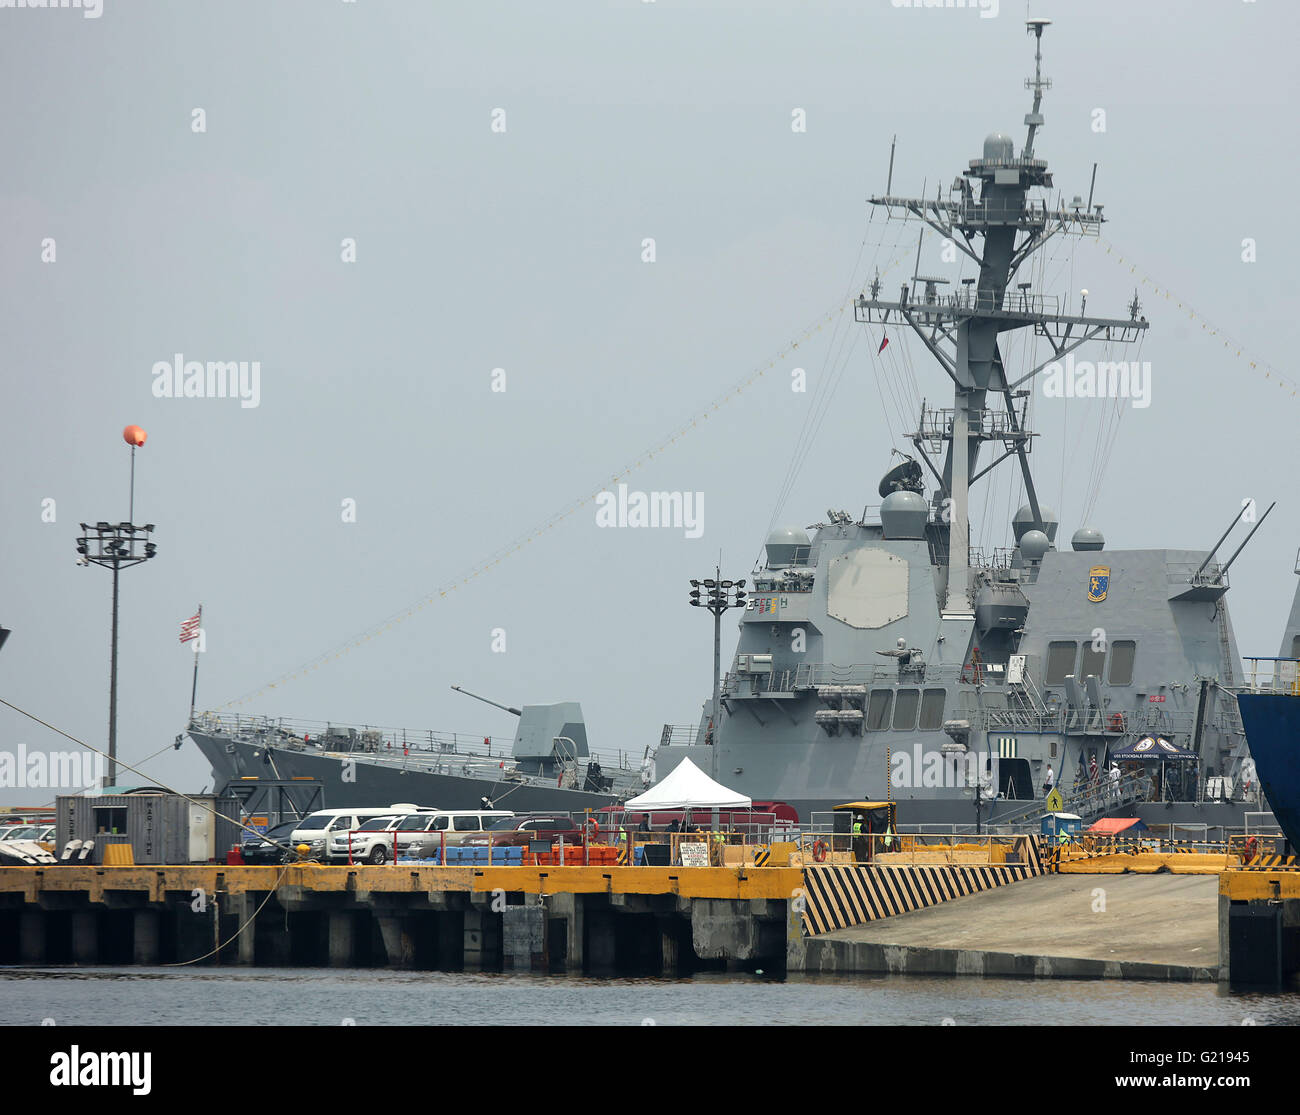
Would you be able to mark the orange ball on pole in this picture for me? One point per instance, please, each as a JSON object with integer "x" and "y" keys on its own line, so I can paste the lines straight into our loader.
{"x": 133, "y": 435}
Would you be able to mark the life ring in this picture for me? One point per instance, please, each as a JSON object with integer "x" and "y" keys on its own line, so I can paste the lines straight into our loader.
{"x": 820, "y": 848}
{"x": 1252, "y": 846}
{"x": 1117, "y": 722}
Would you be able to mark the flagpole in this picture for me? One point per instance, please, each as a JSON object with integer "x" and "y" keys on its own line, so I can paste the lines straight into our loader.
{"x": 194, "y": 687}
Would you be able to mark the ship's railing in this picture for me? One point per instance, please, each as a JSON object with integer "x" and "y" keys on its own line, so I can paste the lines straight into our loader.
{"x": 1191, "y": 573}
{"x": 428, "y": 750}
{"x": 793, "y": 586}
{"x": 680, "y": 735}
{"x": 936, "y": 424}
{"x": 809, "y": 675}
{"x": 1014, "y": 719}
{"x": 1011, "y": 301}
{"x": 1271, "y": 675}
{"x": 999, "y": 557}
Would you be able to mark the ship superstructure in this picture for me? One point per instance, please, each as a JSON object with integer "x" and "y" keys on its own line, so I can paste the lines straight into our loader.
{"x": 886, "y": 658}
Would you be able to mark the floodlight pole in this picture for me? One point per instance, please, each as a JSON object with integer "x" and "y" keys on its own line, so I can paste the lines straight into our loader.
{"x": 117, "y": 546}
{"x": 721, "y": 595}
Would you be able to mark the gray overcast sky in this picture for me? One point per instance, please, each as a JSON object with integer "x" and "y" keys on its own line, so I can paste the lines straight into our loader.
{"x": 522, "y": 250}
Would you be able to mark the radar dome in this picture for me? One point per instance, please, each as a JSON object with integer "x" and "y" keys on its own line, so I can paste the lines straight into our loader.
{"x": 782, "y": 545}
{"x": 1023, "y": 520}
{"x": 1088, "y": 538}
{"x": 999, "y": 145}
{"x": 1034, "y": 544}
{"x": 903, "y": 515}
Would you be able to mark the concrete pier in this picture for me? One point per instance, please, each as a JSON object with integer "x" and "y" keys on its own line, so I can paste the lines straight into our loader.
{"x": 997, "y": 919}
{"x": 605, "y": 919}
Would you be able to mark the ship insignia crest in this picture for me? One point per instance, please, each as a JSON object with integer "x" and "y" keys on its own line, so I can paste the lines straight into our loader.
{"x": 1098, "y": 583}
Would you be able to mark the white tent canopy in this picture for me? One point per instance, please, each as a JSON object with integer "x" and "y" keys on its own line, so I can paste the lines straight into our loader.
{"x": 688, "y": 787}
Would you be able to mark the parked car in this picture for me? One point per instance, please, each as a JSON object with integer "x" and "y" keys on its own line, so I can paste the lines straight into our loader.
{"x": 371, "y": 843}
{"x": 42, "y": 834}
{"x": 454, "y": 827}
{"x": 258, "y": 851}
{"x": 316, "y": 829}
{"x": 518, "y": 831}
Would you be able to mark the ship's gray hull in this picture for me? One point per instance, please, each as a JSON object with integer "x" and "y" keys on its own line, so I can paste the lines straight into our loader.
{"x": 377, "y": 786}
{"x": 366, "y": 784}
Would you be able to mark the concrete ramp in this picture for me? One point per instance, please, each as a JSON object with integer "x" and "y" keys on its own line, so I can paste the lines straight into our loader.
{"x": 837, "y": 897}
{"x": 1064, "y": 926}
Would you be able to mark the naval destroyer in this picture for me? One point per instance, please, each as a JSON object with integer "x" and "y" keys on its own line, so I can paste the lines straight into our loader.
{"x": 885, "y": 656}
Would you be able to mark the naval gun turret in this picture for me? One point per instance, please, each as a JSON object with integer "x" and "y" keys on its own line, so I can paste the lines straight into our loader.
{"x": 550, "y": 741}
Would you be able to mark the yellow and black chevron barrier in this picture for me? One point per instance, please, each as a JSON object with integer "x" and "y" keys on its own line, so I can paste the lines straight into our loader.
{"x": 761, "y": 855}
{"x": 840, "y": 897}
{"x": 1273, "y": 863}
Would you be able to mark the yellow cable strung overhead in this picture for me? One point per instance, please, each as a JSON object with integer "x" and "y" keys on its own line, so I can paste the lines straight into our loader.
{"x": 1209, "y": 327}
{"x": 391, "y": 621}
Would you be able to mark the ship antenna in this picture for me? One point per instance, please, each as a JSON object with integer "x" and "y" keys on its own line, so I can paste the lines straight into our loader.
{"x": 1037, "y": 83}
{"x": 889, "y": 182}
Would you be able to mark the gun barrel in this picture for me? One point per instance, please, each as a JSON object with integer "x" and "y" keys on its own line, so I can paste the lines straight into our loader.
{"x": 504, "y": 708}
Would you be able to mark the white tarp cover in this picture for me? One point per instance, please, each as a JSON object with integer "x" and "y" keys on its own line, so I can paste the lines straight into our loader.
{"x": 687, "y": 787}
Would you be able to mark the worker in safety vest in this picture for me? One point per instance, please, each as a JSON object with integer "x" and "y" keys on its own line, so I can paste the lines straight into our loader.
{"x": 860, "y": 850}
{"x": 718, "y": 842}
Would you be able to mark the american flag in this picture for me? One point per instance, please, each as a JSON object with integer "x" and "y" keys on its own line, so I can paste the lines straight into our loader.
{"x": 190, "y": 627}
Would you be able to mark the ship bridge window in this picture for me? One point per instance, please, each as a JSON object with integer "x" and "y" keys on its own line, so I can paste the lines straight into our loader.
{"x": 1122, "y": 652}
{"x": 1060, "y": 661}
{"x": 905, "y": 705}
{"x": 878, "y": 709}
{"x": 932, "y": 709}
{"x": 1093, "y": 660}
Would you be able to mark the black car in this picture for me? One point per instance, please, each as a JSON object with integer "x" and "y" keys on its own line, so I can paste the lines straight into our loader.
{"x": 258, "y": 851}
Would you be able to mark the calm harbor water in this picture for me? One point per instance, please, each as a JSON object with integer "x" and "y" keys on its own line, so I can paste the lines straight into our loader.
{"x": 314, "y": 996}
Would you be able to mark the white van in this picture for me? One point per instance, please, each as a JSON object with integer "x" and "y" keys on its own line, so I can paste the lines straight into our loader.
{"x": 457, "y": 824}
{"x": 315, "y": 829}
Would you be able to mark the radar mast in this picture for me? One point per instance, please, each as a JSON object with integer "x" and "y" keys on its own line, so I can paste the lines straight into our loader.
{"x": 989, "y": 216}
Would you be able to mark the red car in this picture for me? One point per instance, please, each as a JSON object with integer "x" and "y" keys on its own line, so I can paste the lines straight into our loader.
{"x": 518, "y": 831}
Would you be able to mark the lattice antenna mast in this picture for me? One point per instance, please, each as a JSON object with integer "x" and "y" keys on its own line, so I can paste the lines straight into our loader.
{"x": 991, "y": 218}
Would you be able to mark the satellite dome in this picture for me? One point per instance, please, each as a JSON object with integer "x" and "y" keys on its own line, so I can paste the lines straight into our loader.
{"x": 903, "y": 514}
{"x": 1034, "y": 544}
{"x": 999, "y": 146}
{"x": 782, "y": 544}
{"x": 1023, "y": 520}
{"x": 1088, "y": 538}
